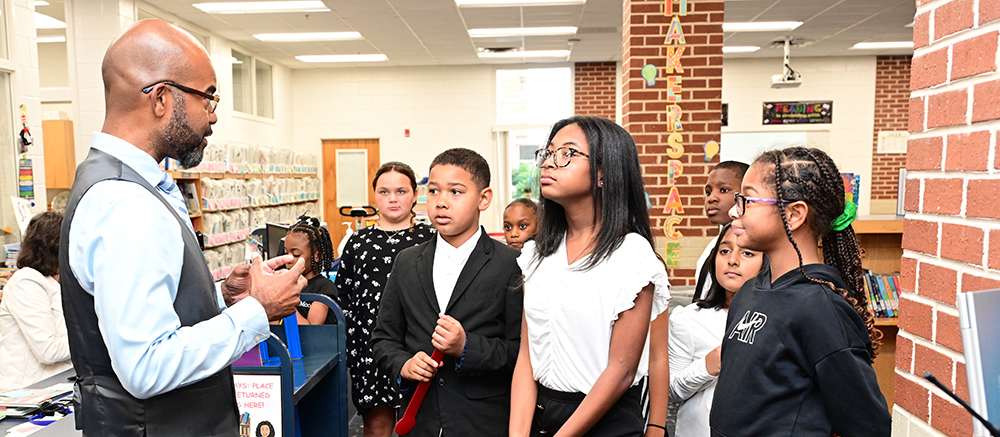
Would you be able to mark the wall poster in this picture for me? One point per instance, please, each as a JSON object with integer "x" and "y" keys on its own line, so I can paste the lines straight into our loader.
{"x": 815, "y": 112}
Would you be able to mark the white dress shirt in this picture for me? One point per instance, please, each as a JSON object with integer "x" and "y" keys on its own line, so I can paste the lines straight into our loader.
{"x": 33, "y": 342}
{"x": 448, "y": 264}
{"x": 570, "y": 313}
{"x": 126, "y": 250}
{"x": 694, "y": 332}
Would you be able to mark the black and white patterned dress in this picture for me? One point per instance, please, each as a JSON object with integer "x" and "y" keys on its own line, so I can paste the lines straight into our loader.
{"x": 364, "y": 270}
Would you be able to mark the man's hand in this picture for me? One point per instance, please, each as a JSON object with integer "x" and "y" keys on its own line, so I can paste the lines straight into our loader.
{"x": 277, "y": 291}
{"x": 420, "y": 368}
{"x": 449, "y": 336}
{"x": 237, "y": 285}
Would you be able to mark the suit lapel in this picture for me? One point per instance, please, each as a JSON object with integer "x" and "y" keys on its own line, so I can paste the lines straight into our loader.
{"x": 479, "y": 257}
{"x": 425, "y": 273}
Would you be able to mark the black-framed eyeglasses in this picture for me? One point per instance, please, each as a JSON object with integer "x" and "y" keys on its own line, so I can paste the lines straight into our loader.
{"x": 561, "y": 157}
{"x": 213, "y": 99}
{"x": 741, "y": 202}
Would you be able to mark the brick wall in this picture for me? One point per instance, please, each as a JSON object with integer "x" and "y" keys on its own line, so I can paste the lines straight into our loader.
{"x": 595, "y": 89}
{"x": 892, "y": 94}
{"x": 951, "y": 235}
{"x": 688, "y": 77}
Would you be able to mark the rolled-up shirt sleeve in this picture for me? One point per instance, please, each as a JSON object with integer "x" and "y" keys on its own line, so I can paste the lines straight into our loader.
{"x": 127, "y": 250}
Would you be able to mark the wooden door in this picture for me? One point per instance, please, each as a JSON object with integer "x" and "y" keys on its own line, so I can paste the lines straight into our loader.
{"x": 358, "y": 161}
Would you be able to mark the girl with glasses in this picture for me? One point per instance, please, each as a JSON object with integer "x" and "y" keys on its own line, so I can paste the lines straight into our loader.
{"x": 799, "y": 340}
{"x": 593, "y": 284}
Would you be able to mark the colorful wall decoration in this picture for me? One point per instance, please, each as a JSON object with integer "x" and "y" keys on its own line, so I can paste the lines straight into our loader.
{"x": 820, "y": 112}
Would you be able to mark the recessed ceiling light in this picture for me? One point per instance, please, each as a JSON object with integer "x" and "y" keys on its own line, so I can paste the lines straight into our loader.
{"x": 308, "y": 36}
{"x": 45, "y": 39}
{"x": 521, "y": 31}
{"x": 342, "y": 58}
{"x": 503, "y": 3}
{"x": 41, "y": 3}
{"x": 526, "y": 54}
{"x": 268, "y": 7}
{"x": 46, "y": 22}
{"x": 884, "y": 45}
{"x": 760, "y": 26}
{"x": 739, "y": 49}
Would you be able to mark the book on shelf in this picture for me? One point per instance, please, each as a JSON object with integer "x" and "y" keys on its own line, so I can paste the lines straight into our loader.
{"x": 883, "y": 293}
{"x": 191, "y": 197}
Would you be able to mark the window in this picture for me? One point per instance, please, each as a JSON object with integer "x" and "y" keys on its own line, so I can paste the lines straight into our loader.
{"x": 265, "y": 106}
{"x": 539, "y": 96}
{"x": 242, "y": 83}
{"x": 9, "y": 186}
{"x": 532, "y": 100}
{"x": 252, "y": 85}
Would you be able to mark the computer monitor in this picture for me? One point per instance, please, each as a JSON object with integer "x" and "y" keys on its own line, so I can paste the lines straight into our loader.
{"x": 276, "y": 239}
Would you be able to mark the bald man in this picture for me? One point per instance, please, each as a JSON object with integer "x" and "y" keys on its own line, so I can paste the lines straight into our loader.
{"x": 150, "y": 335}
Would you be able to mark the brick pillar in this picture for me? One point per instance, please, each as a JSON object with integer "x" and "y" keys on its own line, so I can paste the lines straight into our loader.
{"x": 595, "y": 89}
{"x": 892, "y": 94}
{"x": 672, "y": 106}
{"x": 951, "y": 235}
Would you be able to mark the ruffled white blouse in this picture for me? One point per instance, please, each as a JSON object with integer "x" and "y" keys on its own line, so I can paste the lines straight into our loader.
{"x": 570, "y": 312}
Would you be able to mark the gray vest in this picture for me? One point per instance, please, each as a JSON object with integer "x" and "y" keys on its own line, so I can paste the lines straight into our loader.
{"x": 105, "y": 408}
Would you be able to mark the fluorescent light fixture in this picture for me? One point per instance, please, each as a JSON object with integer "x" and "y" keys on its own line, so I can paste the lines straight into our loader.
{"x": 47, "y": 22}
{"x": 508, "y": 3}
{"x": 233, "y": 60}
{"x": 521, "y": 31}
{"x": 761, "y": 26}
{"x": 341, "y": 58}
{"x": 45, "y": 39}
{"x": 268, "y": 7}
{"x": 307, "y": 36}
{"x": 739, "y": 49}
{"x": 883, "y": 45}
{"x": 526, "y": 54}
{"x": 41, "y": 3}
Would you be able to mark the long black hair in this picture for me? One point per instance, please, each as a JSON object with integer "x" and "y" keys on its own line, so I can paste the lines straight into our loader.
{"x": 319, "y": 242}
{"x": 619, "y": 206}
{"x": 810, "y": 175}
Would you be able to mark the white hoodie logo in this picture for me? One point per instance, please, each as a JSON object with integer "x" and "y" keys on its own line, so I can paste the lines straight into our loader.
{"x": 748, "y": 326}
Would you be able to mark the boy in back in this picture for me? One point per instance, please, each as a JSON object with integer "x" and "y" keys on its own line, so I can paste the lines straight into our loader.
{"x": 461, "y": 293}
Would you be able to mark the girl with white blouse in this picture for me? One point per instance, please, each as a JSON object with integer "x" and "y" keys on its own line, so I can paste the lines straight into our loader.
{"x": 696, "y": 331}
{"x": 593, "y": 284}
{"x": 33, "y": 341}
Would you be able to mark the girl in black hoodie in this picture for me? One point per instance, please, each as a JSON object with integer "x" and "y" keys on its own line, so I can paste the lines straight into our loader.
{"x": 796, "y": 358}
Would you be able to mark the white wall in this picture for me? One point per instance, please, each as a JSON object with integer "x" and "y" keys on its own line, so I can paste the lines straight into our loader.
{"x": 25, "y": 90}
{"x": 95, "y": 24}
{"x": 443, "y": 106}
{"x": 54, "y": 71}
{"x": 848, "y": 81}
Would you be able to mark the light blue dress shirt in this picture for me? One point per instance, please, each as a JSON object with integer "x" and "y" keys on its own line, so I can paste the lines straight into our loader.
{"x": 126, "y": 250}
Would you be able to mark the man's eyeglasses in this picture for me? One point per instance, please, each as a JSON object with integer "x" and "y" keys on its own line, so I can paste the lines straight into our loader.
{"x": 561, "y": 157}
{"x": 213, "y": 100}
{"x": 742, "y": 201}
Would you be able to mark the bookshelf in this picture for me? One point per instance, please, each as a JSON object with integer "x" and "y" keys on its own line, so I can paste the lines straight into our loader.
{"x": 880, "y": 238}
{"x": 220, "y": 249}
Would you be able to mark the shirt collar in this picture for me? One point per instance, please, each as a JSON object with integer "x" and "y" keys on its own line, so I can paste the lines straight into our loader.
{"x": 461, "y": 252}
{"x": 131, "y": 155}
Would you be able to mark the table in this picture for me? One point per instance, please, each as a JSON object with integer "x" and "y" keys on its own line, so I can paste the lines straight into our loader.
{"x": 62, "y": 427}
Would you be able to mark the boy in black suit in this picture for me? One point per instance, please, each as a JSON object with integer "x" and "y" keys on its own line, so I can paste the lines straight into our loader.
{"x": 461, "y": 293}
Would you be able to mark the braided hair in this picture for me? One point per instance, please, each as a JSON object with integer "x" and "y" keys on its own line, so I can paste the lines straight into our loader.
{"x": 811, "y": 176}
{"x": 319, "y": 242}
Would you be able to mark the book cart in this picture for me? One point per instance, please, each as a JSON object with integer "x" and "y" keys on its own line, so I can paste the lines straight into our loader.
{"x": 312, "y": 390}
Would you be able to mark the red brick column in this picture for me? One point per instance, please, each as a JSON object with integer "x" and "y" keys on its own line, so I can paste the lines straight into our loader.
{"x": 951, "y": 236}
{"x": 672, "y": 111}
{"x": 892, "y": 94}
{"x": 594, "y": 84}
